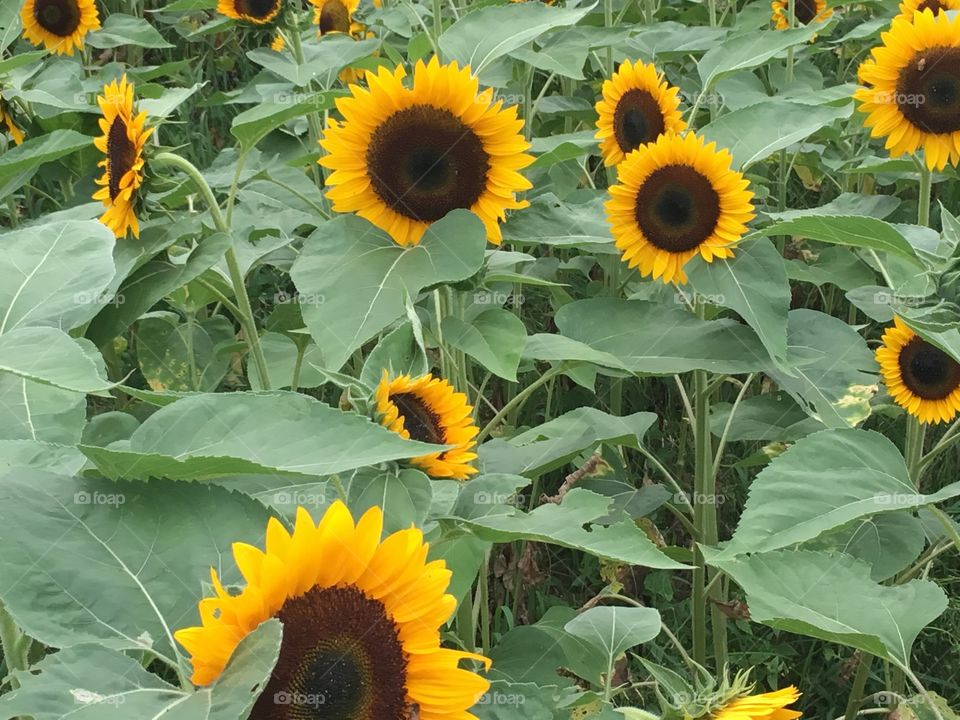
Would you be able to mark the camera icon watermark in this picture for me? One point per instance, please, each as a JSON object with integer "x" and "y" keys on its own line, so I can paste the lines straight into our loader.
{"x": 101, "y": 299}
{"x": 502, "y": 699}
{"x": 83, "y": 497}
{"x": 89, "y": 697}
{"x": 483, "y": 497}
{"x": 299, "y": 699}
{"x": 682, "y": 298}
{"x": 297, "y": 98}
{"x": 499, "y": 299}
{"x": 699, "y": 499}
{"x": 888, "y": 297}
{"x": 300, "y": 499}
{"x": 284, "y": 298}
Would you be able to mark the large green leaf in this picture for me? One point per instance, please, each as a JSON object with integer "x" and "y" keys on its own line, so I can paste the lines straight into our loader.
{"x": 573, "y": 524}
{"x": 251, "y": 126}
{"x": 649, "y": 337}
{"x": 18, "y": 164}
{"x": 832, "y": 373}
{"x": 494, "y": 338}
{"x": 614, "y": 630}
{"x": 551, "y": 221}
{"x": 742, "y": 52}
{"x": 862, "y": 232}
{"x": 754, "y": 133}
{"x": 753, "y": 284}
{"x": 32, "y": 411}
{"x": 54, "y": 274}
{"x": 183, "y": 356}
{"x": 477, "y": 39}
{"x": 888, "y": 543}
{"x": 555, "y": 443}
{"x": 50, "y": 357}
{"x": 60, "y": 459}
{"x": 353, "y": 279}
{"x": 323, "y": 60}
{"x": 205, "y": 436}
{"x": 832, "y": 597}
{"x": 145, "y": 550}
{"x": 121, "y": 30}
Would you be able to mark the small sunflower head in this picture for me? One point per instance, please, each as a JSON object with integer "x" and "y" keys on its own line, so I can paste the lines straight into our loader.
{"x": 909, "y": 7}
{"x": 334, "y": 16}
{"x": 637, "y": 107}
{"x": 920, "y": 377}
{"x": 804, "y": 12}
{"x": 59, "y": 25}
{"x": 429, "y": 410}
{"x": 257, "y": 12}
{"x": 676, "y": 198}
{"x": 910, "y": 90}
{"x": 6, "y": 117}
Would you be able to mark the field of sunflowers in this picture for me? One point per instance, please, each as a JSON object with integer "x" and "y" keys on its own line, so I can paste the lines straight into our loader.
{"x": 479, "y": 359}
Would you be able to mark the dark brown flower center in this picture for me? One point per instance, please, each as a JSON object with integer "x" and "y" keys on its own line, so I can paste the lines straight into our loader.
{"x": 677, "y": 208}
{"x": 121, "y": 154}
{"x": 637, "y": 120}
{"x": 340, "y": 659}
{"x": 258, "y": 9}
{"x": 935, "y": 5}
{"x": 804, "y": 10}
{"x": 419, "y": 420}
{"x": 424, "y": 162}
{"x": 928, "y": 91}
{"x": 928, "y": 371}
{"x": 59, "y": 17}
{"x": 334, "y": 17}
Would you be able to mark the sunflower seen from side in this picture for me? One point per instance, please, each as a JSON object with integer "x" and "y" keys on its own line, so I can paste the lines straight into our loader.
{"x": 122, "y": 143}
{"x": 403, "y": 157}
{"x": 15, "y": 132}
{"x": 909, "y": 7}
{"x": 59, "y": 25}
{"x": 638, "y": 106}
{"x": 676, "y": 198}
{"x": 920, "y": 377}
{"x": 804, "y": 11}
{"x": 334, "y": 16}
{"x": 768, "y": 706}
{"x": 429, "y": 410}
{"x": 910, "y": 90}
{"x": 361, "y": 623}
{"x": 258, "y": 12}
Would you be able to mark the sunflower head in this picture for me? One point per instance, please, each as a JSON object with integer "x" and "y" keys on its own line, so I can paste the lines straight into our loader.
{"x": 361, "y": 623}
{"x": 258, "y": 12}
{"x": 920, "y": 377}
{"x": 637, "y": 107}
{"x": 909, "y": 7}
{"x": 59, "y": 25}
{"x": 429, "y": 410}
{"x": 403, "y": 157}
{"x": 676, "y": 198}
{"x": 334, "y": 16}
{"x": 122, "y": 143}
{"x": 805, "y": 12}
{"x": 7, "y": 118}
{"x": 911, "y": 88}
{"x": 768, "y": 706}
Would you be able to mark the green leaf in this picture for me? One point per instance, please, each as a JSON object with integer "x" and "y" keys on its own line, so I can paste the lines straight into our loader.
{"x": 188, "y": 356}
{"x": 551, "y": 221}
{"x": 204, "y": 436}
{"x": 863, "y": 232}
{"x": 832, "y": 373}
{"x": 654, "y": 338}
{"x": 477, "y": 39}
{"x": 888, "y": 543}
{"x": 614, "y": 630}
{"x": 742, "y": 52}
{"x": 50, "y": 357}
{"x": 753, "y": 284}
{"x": 399, "y": 353}
{"x": 353, "y": 279}
{"x": 146, "y": 549}
{"x": 74, "y": 258}
{"x": 31, "y": 411}
{"x": 120, "y": 30}
{"x": 323, "y": 59}
{"x": 831, "y": 597}
{"x": 281, "y": 355}
{"x": 775, "y": 416}
{"x": 404, "y": 497}
{"x": 60, "y": 459}
{"x": 494, "y": 338}
{"x": 566, "y": 525}
{"x": 9, "y": 24}
{"x": 251, "y": 126}
{"x": 20, "y": 59}
{"x": 19, "y": 163}
{"x": 754, "y": 133}
{"x": 555, "y": 443}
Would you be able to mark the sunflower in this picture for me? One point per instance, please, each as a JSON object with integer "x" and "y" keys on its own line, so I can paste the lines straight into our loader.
{"x": 361, "y": 621}
{"x": 59, "y": 25}
{"x": 405, "y": 157}
{"x": 334, "y": 16}
{"x": 258, "y": 12}
{"x": 912, "y": 88}
{"x": 15, "y": 132}
{"x": 279, "y": 42}
{"x": 637, "y": 107}
{"x": 428, "y": 409}
{"x": 358, "y": 31}
{"x": 122, "y": 145}
{"x": 804, "y": 11}
{"x": 769, "y": 706}
{"x": 909, "y": 7}
{"x": 675, "y": 198}
{"x": 920, "y": 377}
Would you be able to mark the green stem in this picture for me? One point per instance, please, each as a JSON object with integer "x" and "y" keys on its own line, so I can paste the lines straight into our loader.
{"x": 247, "y": 321}
{"x": 518, "y": 400}
{"x": 700, "y": 519}
{"x": 913, "y": 451}
{"x": 608, "y": 23}
{"x": 15, "y": 648}
{"x": 465, "y": 627}
{"x": 926, "y": 190}
{"x": 484, "y": 590}
{"x": 859, "y": 683}
{"x": 437, "y": 25}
